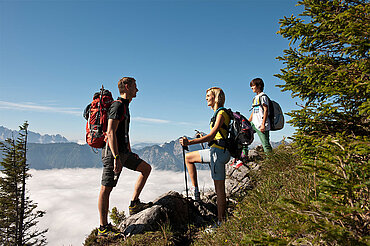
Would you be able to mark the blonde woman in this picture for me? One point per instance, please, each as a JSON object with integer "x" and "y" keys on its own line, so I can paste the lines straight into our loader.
{"x": 217, "y": 155}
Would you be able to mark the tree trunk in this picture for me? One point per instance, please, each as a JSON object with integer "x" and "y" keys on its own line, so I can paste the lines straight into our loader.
{"x": 23, "y": 194}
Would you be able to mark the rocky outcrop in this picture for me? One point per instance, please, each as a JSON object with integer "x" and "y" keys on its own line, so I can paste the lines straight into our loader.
{"x": 171, "y": 207}
{"x": 180, "y": 211}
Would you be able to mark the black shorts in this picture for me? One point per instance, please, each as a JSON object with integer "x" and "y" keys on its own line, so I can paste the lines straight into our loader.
{"x": 129, "y": 160}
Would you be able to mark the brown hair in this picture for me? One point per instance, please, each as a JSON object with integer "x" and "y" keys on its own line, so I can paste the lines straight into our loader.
{"x": 219, "y": 96}
{"x": 258, "y": 82}
{"x": 124, "y": 81}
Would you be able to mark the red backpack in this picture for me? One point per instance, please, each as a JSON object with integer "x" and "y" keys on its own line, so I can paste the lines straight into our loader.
{"x": 96, "y": 114}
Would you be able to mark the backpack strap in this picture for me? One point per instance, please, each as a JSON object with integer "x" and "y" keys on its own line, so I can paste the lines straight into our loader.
{"x": 86, "y": 113}
{"x": 222, "y": 142}
{"x": 126, "y": 125}
{"x": 259, "y": 102}
{"x": 213, "y": 119}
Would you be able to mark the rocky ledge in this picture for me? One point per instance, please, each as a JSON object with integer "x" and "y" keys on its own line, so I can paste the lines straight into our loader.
{"x": 180, "y": 211}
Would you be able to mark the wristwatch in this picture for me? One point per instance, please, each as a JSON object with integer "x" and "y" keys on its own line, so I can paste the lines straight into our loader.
{"x": 116, "y": 157}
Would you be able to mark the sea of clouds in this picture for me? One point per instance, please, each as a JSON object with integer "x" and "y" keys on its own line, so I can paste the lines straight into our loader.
{"x": 69, "y": 197}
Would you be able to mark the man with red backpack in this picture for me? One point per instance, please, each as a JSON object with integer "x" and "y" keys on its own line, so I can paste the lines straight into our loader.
{"x": 117, "y": 154}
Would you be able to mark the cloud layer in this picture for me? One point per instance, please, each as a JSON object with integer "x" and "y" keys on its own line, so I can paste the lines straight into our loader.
{"x": 70, "y": 196}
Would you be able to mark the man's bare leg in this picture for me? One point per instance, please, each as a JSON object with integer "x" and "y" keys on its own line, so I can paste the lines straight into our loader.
{"x": 103, "y": 204}
{"x": 144, "y": 169}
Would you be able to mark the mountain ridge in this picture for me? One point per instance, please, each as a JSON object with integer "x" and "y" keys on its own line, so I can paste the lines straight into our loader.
{"x": 33, "y": 137}
{"x": 167, "y": 156}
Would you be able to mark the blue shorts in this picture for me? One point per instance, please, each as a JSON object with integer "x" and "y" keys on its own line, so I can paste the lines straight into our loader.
{"x": 217, "y": 158}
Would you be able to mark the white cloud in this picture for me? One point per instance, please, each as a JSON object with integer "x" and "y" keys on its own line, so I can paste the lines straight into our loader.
{"x": 80, "y": 142}
{"x": 150, "y": 120}
{"x": 70, "y": 196}
{"x": 39, "y": 108}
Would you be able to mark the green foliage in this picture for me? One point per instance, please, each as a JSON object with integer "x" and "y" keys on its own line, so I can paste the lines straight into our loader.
{"x": 18, "y": 218}
{"x": 116, "y": 216}
{"x": 164, "y": 236}
{"x": 327, "y": 66}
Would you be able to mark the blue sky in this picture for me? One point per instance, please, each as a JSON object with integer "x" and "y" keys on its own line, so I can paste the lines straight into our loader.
{"x": 55, "y": 54}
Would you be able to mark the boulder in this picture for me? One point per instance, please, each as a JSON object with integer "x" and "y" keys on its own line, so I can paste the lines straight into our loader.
{"x": 177, "y": 207}
{"x": 147, "y": 220}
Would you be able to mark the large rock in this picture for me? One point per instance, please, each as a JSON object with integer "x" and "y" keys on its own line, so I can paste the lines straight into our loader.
{"x": 171, "y": 207}
{"x": 180, "y": 211}
{"x": 237, "y": 180}
{"x": 147, "y": 220}
{"x": 177, "y": 207}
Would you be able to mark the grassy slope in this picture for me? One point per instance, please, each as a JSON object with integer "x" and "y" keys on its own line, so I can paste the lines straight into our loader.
{"x": 256, "y": 217}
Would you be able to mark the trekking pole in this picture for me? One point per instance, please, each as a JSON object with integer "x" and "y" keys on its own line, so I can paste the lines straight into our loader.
{"x": 186, "y": 185}
{"x": 198, "y": 135}
{"x": 186, "y": 179}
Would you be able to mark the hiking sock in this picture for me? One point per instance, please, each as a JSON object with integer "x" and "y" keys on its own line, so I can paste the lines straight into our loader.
{"x": 196, "y": 193}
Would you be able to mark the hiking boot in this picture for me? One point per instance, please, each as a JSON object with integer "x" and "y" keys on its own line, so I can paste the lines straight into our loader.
{"x": 137, "y": 206}
{"x": 108, "y": 231}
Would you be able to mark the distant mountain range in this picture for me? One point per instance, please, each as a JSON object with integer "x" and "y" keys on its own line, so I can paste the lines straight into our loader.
{"x": 167, "y": 156}
{"x": 33, "y": 137}
{"x": 55, "y": 152}
{"x": 72, "y": 155}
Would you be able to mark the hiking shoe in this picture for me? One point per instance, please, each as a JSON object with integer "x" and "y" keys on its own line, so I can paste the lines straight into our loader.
{"x": 108, "y": 231}
{"x": 195, "y": 195}
{"x": 138, "y": 206}
{"x": 238, "y": 164}
{"x": 212, "y": 228}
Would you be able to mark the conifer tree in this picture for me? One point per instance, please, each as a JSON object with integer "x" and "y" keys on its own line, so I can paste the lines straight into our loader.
{"x": 327, "y": 66}
{"x": 19, "y": 216}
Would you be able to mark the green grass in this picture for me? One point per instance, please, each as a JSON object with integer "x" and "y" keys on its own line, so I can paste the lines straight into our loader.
{"x": 163, "y": 237}
{"x": 256, "y": 219}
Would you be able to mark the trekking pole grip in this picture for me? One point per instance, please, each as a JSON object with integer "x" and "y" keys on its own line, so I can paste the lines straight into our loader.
{"x": 185, "y": 147}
